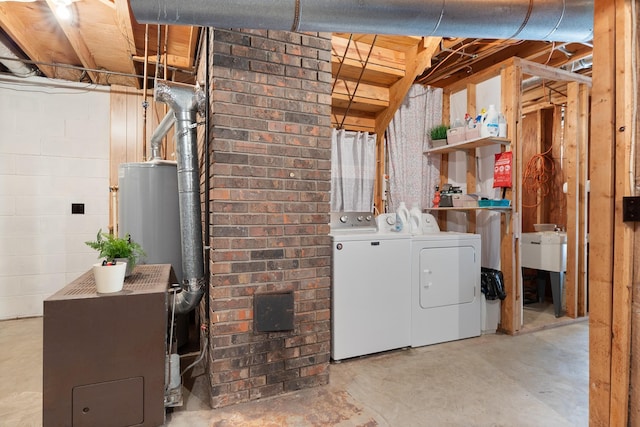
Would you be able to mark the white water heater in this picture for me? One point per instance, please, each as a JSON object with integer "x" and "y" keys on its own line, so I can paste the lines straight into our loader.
{"x": 148, "y": 210}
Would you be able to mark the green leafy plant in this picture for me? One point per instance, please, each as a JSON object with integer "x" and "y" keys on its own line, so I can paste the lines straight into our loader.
{"x": 439, "y": 132}
{"x": 111, "y": 247}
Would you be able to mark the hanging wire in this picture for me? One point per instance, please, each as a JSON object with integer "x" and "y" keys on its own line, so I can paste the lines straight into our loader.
{"x": 344, "y": 57}
{"x": 355, "y": 90}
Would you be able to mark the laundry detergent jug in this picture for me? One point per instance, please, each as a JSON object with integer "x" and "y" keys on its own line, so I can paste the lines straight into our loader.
{"x": 402, "y": 218}
{"x": 415, "y": 218}
{"x": 490, "y": 125}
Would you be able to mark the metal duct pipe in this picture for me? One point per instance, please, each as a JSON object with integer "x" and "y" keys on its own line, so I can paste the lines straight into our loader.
{"x": 185, "y": 102}
{"x": 161, "y": 131}
{"x": 551, "y": 20}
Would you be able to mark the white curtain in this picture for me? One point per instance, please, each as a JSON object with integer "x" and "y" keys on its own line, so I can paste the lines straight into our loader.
{"x": 412, "y": 175}
{"x": 353, "y": 169}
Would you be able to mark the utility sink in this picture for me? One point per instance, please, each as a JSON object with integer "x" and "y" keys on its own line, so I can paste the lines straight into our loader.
{"x": 546, "y": 251}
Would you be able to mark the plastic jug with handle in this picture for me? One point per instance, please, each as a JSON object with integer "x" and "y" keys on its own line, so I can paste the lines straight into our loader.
{"x": 402, "y": 218}
{"x": 415, "y": 217}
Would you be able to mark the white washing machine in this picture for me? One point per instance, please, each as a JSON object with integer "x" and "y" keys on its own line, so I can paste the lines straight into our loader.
{"x": 371, "y": 287}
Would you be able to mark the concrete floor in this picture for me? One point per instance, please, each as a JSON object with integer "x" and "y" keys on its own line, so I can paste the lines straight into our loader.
{"x": 534, "y": 379}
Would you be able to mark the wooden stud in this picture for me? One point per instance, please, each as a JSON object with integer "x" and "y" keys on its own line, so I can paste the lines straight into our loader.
{"x": 444, "y": 160}
{"x": 602, "y": 170}
{"x": 511, "y": 308}
{"x": 623, "y": 232}
{"x": 531, "y": 145}
{"x": 558, "y": 209}
{"x": 571, "y": 168}
{"x": 471, "y": 161}
{"x": 583, "y": 208}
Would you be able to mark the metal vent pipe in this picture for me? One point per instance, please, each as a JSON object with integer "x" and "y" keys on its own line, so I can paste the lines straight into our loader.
{"x": 184, "y": 102}
{"x": 161, "y": 131}
{"x": 548, "y": 20}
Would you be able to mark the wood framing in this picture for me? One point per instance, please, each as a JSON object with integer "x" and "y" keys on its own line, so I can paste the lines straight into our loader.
{"x": 576, "y": 119}
{"x": 512, "y": 72}
{"x": 623, "y": 231}
{"x": 613, "y": 132}
{"x": 511, "y": 307}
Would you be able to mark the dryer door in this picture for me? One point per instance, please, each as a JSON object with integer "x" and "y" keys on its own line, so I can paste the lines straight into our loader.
{"x": 447, "y": 276}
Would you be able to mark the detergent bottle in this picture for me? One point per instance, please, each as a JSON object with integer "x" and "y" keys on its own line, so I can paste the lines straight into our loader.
{"x": 415, "y": 218}
{"x": 402, "y": 218}
{"x": 490, "y": 125}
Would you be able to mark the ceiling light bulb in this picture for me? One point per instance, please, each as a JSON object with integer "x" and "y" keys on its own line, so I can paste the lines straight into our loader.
{"x": 63, "y": 12}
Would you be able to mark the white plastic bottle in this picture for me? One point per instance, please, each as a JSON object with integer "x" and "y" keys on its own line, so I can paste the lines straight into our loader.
{"x": 402, "y": 217}
{"x": 490, "y": 125}
{"x": 415, "y": 220}
{"x": 502, "y": 126}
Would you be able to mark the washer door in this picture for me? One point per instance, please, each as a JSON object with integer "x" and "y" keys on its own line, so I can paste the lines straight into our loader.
{"x": 447, "y": 277}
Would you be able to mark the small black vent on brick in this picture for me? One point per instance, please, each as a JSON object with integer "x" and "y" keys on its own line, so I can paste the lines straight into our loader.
{"x": 273, "y": 312}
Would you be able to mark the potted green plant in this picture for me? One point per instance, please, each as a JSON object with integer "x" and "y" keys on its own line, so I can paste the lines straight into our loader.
{"x": 117, "y": 249}
{"x": 438, "y": 135}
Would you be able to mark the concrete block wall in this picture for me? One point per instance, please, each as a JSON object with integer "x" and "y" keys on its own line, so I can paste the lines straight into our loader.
{"x": 54, "y": 151}
{"x": 271, "y": 140}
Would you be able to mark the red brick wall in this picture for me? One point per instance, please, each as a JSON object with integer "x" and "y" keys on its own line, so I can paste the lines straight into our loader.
{"x": 271, "y": 141}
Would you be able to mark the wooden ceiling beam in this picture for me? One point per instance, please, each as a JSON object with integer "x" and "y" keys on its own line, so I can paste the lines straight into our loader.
{"x": 354, "y": 121}
{"x": 397, "y": 43}
{"x": 360, "y": 51}
{"x": 378, "y": 95}
{"x": 20, "y": 21}
{"x": 417, "y": 59}
{"x": 172, "y": 61}
{"x": 447, "y": 73}
{"x": 123, "y": 20}
{"x": 451, "y": 74}
{"x": 352, "y": 70}
{"x": 77, "y": 42}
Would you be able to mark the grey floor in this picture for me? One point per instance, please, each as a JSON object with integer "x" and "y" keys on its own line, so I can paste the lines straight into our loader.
{"x": 534, "y": 379}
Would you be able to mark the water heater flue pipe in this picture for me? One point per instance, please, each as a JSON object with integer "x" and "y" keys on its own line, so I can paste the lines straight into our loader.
{"x": 549, "y": 20}
{"x": 161, "y": 131}
{"x": 185, "y": 101}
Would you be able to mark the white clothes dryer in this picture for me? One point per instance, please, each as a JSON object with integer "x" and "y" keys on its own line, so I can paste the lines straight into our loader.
{"x": 445, "y": 282}
{"x": 445, "y": 285}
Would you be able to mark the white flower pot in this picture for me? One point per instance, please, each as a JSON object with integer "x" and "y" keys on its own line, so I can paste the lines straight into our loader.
{"x": 109, "y": 278}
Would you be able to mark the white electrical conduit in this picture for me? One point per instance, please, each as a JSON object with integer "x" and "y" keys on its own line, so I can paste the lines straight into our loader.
{"x": 551, "y": 20}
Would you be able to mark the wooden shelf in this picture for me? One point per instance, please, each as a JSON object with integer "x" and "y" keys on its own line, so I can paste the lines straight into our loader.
{"x": 468, "y": 145}
{"x": 474, "y": 208}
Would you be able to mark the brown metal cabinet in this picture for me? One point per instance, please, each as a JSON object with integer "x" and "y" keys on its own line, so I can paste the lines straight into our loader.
{"x": 104, "y": 354}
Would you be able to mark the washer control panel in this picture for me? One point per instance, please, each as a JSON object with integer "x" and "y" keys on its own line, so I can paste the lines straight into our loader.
{"x": 353, "y": 221}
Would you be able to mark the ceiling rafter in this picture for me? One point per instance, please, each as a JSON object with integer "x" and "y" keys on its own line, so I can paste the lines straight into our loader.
{"x": 123, "y": 20}
{"x": 74, "y": 36}
{"x": 19, "y": 22}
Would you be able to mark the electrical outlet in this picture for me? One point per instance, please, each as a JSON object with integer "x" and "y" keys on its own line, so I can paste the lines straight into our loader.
{"x": 631, "y": 209}
{"x": 77, "y": 208}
